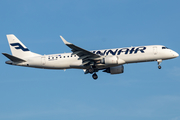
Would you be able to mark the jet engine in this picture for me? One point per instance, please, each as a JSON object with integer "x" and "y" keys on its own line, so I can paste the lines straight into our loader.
{"x": 109, "y": 60}
{"x": 112, "y": 60}
{"x": 115, "y": 70}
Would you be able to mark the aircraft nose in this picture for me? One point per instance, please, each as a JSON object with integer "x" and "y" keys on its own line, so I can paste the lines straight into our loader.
{"x": 175, "y": 54}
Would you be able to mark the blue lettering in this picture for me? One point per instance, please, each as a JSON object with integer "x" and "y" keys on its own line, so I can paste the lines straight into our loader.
{"x": 141, "y": 49}
{"x": 136, "y": 50}
{"x": 110, "y": 51}
{"x": 99, "y": 52}
{"x": 131, "y": 51}
{"x": 123, "y": 50}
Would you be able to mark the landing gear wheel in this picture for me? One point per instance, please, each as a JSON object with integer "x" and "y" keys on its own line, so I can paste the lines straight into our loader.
{"x": 159, "y": 67}
{"x": 159, "y": 62}
{"x": 91, "y": 70}
{"x": 94, "y": 76}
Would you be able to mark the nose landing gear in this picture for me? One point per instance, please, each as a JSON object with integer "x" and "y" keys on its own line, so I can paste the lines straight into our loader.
{"x": 159, "y": 62}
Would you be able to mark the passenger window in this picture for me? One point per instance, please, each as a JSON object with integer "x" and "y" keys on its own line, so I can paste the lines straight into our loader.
{"x": 64, "y": 56}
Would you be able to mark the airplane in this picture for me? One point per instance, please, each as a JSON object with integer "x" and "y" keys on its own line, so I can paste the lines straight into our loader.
{"x": 109, "y": 60}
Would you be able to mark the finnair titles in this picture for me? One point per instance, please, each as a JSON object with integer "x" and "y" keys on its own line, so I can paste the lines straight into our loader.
{"x": 109, "y": 60}
{"x": 122, "y": 50}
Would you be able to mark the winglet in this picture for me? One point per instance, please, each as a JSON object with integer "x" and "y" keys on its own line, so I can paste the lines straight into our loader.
{"x": 65, "y": 42}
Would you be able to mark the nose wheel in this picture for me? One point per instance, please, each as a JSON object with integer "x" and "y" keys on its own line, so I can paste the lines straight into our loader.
{"x": 159, "y": 67}
{"x": 94, "y": 76}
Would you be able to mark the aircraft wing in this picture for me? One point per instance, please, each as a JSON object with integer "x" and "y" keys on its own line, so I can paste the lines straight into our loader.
{"x": 83, "y": 54}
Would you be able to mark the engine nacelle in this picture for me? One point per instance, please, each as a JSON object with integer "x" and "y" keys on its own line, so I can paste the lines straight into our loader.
{"x": 112, "y": 60}
{"x": 115, "y": 70}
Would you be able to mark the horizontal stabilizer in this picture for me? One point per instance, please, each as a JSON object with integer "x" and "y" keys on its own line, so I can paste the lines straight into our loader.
{"x": 13, "y": 58}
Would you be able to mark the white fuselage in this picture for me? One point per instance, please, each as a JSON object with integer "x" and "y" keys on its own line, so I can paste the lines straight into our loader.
{"x": 128, "y": 55}
{"x": 109, "y": 60}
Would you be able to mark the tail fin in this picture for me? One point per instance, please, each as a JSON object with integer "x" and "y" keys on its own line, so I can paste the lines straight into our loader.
{"x": 18, "y": 49}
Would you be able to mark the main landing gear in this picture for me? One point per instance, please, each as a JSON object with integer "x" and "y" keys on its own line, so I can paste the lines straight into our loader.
{"x": 91, "y": 71}
{"x": 95, "y": 76}
{"x": 159, "y": 62}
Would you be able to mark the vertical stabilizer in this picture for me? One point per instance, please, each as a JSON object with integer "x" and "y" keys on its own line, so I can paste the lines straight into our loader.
{"x": 18, "y": 49}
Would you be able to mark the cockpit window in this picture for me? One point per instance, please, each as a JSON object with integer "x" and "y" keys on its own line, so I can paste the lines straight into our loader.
{"x": 165, "y": 48}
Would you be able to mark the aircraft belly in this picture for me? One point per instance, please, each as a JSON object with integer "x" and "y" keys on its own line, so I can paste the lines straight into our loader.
{"x": 77, "y": 64}
{"x": 133, "y": 58}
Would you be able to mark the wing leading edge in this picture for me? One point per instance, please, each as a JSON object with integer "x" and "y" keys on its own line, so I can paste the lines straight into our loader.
{"x": 83, "y": 54}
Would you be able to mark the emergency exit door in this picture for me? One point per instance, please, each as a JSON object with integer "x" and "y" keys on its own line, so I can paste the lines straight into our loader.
{"x": 43, "y": 59}
{"x": 155, "y": 50}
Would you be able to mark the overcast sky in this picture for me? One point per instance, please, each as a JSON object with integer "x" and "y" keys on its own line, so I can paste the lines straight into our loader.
{"x": 142, "y": 92}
